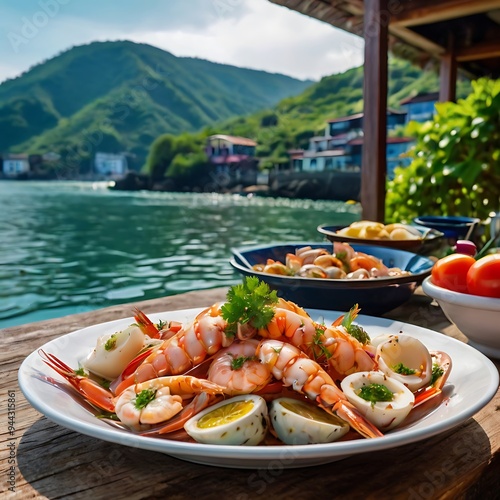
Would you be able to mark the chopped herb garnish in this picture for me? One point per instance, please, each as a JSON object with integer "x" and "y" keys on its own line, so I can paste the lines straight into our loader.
{"x": 437, "y": 372}
{"x": 404, "y": 370}
{"x": 161, "y": 324}
{"x": 317, "y": 342}
{"x": 359, "y": 334}
{"x": 81, "y": 372}
{"x": 144, "y": 398}
{"x": 105, "y": 383}
{"x": 110, "y": 343}
{"x": 355, "y": 331}
{"x": 375, "y": 392}
{"x": 249, "y": 303}
{"x": 238, "y": 362}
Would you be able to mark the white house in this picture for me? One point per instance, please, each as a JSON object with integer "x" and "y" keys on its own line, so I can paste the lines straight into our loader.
{"x": 109, "y": 164}
{"x": 14, "y": 165}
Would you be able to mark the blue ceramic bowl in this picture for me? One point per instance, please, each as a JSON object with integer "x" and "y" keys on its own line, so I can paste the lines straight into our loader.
{"x": 374, "y": 296}
{"x": 453, "y": 227}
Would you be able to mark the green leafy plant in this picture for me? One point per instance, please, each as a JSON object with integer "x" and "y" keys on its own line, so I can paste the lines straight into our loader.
{"x": 455, "y": 167}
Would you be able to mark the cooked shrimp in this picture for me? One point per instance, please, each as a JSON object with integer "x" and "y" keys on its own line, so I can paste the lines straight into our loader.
{"x": 238, "y": 370}
{"x": 158, "y": 400}
{"x": 294, "y": 326}
{"x": 343, "y": 251}
{"x": 187, "y": 348}
{"x": 368, "y": 262}
{"x": 345, "y": 354}
{"x": 308, "y": 254}
{"x": 304, "y": 375}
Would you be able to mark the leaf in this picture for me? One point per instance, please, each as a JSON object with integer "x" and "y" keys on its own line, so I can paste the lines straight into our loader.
{"x": 250, "y": 303}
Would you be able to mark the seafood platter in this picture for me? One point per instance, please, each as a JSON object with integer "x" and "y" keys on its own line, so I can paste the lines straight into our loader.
{"x": 415, "y": 238}
{"x": 257, "y": 379}
{"x": 334, "y": 275}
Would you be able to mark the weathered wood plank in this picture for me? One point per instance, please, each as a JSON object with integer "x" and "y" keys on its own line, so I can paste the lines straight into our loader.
{"x": 54, "y": 462}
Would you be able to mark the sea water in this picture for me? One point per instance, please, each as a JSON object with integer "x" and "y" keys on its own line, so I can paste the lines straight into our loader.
{"x": 69, "y": 247}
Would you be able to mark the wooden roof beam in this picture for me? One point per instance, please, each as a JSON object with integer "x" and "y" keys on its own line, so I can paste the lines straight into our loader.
{"x": 485, "y": 50}
{"x": 413, "y": 38}
{"x": 432, "y": 11}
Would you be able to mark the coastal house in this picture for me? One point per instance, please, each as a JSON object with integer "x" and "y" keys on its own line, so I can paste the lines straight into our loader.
{"x": 233, "y": 159}
{"x": 340, "y": 148}
{"x": 15, "y": 165}
{"x": 420, "y": 108}
{"x": 110, "y": 165}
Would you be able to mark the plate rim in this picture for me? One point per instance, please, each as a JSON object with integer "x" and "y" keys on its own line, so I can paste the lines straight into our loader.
{"x": 251, "y": 456}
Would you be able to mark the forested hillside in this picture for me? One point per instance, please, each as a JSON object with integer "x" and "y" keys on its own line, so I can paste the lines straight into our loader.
{"x": 294, "y": 120}
{"x": 119, "y": 96}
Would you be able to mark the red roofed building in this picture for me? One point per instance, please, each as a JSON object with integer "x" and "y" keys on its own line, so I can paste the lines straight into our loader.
{"x": 233, "y": 158}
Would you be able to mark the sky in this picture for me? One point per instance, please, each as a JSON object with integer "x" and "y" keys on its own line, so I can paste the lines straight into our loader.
{"x": 253, "y": 34}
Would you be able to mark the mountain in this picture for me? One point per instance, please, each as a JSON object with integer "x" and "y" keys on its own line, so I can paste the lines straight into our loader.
{"x": 120, "y": 96}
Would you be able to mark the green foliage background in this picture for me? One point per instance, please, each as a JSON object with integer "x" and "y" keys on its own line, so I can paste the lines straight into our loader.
{"x": 456, "y": 160}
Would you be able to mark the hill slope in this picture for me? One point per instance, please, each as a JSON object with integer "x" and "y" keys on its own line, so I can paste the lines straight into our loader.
{"x": 114, "y": 96}
{"x": 291, "y": 123}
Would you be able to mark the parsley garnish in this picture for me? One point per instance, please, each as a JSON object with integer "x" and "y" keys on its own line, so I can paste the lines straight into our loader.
{"x": 437, "y": 372}
{"x": 317, "y": 341}
{"x": 374, "y": 393}
{"x": 81, "y": 372}
{"x": 238, "y": 362}
{"x": 404, "y": 370}
{"x": 144, "y": 398}
{"x": 251, "y": 302}
{"x": 355, "y": 331}
{"x": 110, "y": 343}
{"x": 161, "y": 324}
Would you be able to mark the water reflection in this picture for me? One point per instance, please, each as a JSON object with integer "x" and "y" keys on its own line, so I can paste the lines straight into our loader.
{"x": 68, "y": 247}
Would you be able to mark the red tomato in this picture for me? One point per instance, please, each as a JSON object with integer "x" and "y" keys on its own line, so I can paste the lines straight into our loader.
{"x": 450, "y": 272}
{"x": 483, "y": 277}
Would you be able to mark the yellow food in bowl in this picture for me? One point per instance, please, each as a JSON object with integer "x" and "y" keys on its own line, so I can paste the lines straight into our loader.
{"x": 369, "y": 230}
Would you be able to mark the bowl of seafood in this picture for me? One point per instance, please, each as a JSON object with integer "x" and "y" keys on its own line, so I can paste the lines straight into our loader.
{"x": 400, "y": 236}
{"x": 336, "y": 275}
{"x": 475, "y": 316}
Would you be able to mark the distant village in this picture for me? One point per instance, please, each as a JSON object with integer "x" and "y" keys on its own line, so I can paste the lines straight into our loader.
{"x": 338, "y": 150}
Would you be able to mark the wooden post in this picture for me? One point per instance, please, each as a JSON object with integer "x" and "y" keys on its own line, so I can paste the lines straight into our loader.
{"x": 448, "y": 74}
{"x": 374, "y": 163}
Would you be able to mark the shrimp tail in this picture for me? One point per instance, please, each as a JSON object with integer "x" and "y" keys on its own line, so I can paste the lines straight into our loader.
{"x": 348, "y": 412}
{"x": 89, "y": 389}
{"x": 146, "y": 325}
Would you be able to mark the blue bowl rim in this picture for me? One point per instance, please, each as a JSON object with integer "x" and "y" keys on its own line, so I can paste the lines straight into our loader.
{"x": 446, "y": 221}
{"x": 238, "y": 262}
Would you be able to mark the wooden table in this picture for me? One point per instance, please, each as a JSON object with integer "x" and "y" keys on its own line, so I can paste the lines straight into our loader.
{"x": 50, "y": 461}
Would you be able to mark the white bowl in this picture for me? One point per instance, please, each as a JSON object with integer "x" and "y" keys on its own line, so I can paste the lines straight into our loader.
{"x": 478, "y": 318}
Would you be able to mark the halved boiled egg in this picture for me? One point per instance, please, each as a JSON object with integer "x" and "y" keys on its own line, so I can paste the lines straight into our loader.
{"x": 241, "y": 420}
{"x": 114, "y": 352}
{"x": 405, "y": 359}
{"x": 383, "y": 401}
{"x": 297, "y": 422}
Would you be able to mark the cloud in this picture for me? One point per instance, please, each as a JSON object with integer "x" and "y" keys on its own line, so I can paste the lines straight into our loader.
{"x": 249, "y": 33}
{"x": 267, "y": 37}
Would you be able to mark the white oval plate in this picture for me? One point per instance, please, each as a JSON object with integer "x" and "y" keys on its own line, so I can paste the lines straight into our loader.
{"x": 471, "y": 385}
